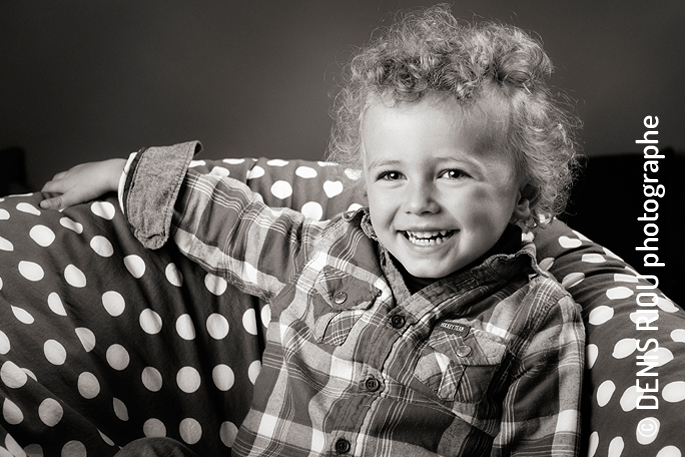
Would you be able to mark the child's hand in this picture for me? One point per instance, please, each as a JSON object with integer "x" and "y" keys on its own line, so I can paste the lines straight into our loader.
{"x": 83, "y": 183}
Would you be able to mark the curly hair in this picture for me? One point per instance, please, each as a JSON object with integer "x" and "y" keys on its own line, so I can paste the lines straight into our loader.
{"x": 427, "y": 52}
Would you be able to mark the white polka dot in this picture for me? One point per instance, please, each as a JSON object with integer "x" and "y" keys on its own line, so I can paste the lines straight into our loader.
{"x": 4, "y": 215}
{"x": 71, "y": 225}
{"x": 28, "y": 209}
{"x": 281, "y": 189}
{"x": 0, "y": 283}
{"x": 86, "y": 337}
{"x": 117, "y": 357}
{"x": 13, "y": 447}
{"x": 120, "y": 409}
{"x": 250, "y": 321}
{"x": 150, "y": 321}
{"x": 223, "y": 377}
{"x": 30, "y": 374}
{"x": 227, "y": 432}
{"x": 253, "y": 370}
{"x": 332, "y": 188}
{"x": 173, "y": 275}
{"x": 667, "y": 305}
{"x": 616, "y": 447}
{"x": 352, "y": 174}
{"x": 600, "y": 315}
{"x": 215, "y": 284}
{"x": 34, "y": 450}
{"x": 55, "y": 352}
{"x": 11, "y": 412}
{"x": 663, "y": 356}
{"x": 621, "y": 277}
{"x": 154, "y": 428}
{"x": 88, "y": 385}
{"x": 232, "y": 161}
{"x": 50, "y": 412}
{"x": 593, "y": 444}
{"x": 217, "y": 326}
{"x": 220, "y": 172}
{"x": 674, "y": 392}
{"x": 604, "y": 392}
{"x": 618, "y": 293}
{"x": 591, "y": 354}
{"x": 12, "y": 376}
{"x": 629, "y": 399}
{"x": 31, "y": 270}
{"x": 669, "y": 451}
{"x": 255, "y": 172}
{"x": 354, "y": 207}
{"x": 569, "y": 243}
{"x": 22, "y": 315}
{"x": 312, "y": 210}
{"x": 74, "y": 276}
{"x": 6, "y": 245}
{"x": 185, "y": 327}
{"x": 572, "y": 279}
{"x": 42, "y": 235}
{"x": 105, "y": 438}
{"x": 593, "y": 258}
{"x": 152, "y": 379}
{"x": 55, "y": 304}
{"x": 546, "y": 263}
{"x": 74, "y": 449}
{"x": 647, "y": 430}
{"x": 188, "y": 379}
{"x": 135, "y": 265}
{"x": 101, "y": 246}
{"x": 624, "y": 348}
{"x": 277, "y": 163}
{"x": 306, "y": 172}
{"x": 105, "y": 210}
{"x": 113, "y": 303}
{"x": 197, "y": 163}
{"x": 190, "y": 430}
{"x": 678, "y": 335}
{"x": 265, "y": 315}
{"x": 4, "y": 343}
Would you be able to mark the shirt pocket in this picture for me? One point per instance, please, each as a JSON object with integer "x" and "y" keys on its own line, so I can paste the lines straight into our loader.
{"x": 460, "y": 368}
{"x": 338, "y": 302}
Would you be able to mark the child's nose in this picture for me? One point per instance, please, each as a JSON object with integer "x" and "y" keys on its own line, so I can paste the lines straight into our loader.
{"x": 420, "y": 198}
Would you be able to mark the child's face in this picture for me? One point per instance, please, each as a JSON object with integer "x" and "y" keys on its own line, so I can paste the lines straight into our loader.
{"x": 441, "y": 190}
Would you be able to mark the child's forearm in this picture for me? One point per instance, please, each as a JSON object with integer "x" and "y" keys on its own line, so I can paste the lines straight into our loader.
{"x": 83, "y": 183}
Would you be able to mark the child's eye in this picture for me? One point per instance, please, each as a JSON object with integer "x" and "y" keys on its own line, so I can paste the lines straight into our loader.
{"x": 455, "y": 174}
{"x": 389, "y": 176}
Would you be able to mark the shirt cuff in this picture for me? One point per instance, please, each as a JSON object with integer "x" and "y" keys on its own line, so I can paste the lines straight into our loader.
{"x": 148, "y": 189}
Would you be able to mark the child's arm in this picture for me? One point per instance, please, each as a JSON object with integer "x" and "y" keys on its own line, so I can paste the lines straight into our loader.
{"x": 216, "y": 221}
{"x": 83, "y": 183}
{"x": 541, "y": 411}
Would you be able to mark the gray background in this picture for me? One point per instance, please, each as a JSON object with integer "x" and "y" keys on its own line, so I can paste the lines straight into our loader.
{"x": 84, "y": 80}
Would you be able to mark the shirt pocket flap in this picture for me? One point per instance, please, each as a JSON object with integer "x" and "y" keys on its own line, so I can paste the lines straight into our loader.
{"x": 338, "y": 301}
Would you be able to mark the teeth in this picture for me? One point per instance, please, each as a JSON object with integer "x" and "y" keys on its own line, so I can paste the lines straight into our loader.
{"x": 428, "y": 238}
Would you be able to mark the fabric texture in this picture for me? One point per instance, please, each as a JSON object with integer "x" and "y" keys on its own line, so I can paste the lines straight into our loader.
{"x": 41, "y": 306}
{"x": 348, "y": 347}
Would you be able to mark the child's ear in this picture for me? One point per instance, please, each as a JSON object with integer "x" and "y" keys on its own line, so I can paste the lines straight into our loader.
{"x": 522, "y": 208}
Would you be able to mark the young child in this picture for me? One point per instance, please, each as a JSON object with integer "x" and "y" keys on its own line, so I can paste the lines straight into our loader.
{"x": 421, "y": 324}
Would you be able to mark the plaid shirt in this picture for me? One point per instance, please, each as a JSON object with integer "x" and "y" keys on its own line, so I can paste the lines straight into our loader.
{"x": 487, "y": 361}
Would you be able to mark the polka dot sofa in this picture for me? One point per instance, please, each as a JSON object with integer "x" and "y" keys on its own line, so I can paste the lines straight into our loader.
{"x": 103, "y": 342}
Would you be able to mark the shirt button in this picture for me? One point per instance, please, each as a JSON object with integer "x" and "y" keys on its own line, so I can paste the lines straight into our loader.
{"x": 340, "y": 298}
{"x": 463, "y": 351}
{"x": 397, "y": 321}
{"x": 342, "y": 446}
{"x": 372, "y": 384}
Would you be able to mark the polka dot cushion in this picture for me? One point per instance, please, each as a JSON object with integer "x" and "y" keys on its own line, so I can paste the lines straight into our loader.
{"x": 102, "y": 342}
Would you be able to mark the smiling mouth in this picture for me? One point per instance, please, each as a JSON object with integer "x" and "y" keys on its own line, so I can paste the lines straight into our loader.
{"x": 428, "y": 238}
